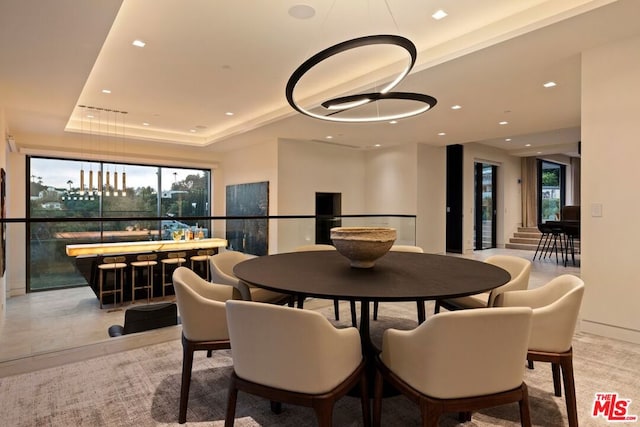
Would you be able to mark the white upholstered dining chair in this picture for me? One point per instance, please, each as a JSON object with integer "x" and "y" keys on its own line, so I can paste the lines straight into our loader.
{"x": 204, "y": 322}
{"x": 556, "y": 307}
{"x": 320, "y": 365}
{"x": 519, "y": 269}
{"x": 431, "y": 364}
{"x": 221, "y": 266}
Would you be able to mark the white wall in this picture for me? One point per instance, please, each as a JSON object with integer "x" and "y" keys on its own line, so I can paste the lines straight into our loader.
{"x": 610, "y": 153}
{"x": 16, "y": 205}
{"x": 391, "y": 188}
{"x": 431, "y": 221}
{"x": 3, "y": 162}
{"x": 305, "y": 168}
{"x": 508, "y": 192}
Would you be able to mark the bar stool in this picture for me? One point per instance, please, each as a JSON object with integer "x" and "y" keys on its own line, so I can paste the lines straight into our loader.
{"x": 148, "y": 262}
{"x": 176, "y": 259}
{"x": 112, "y": 264}
{"x": 203, "y": 256}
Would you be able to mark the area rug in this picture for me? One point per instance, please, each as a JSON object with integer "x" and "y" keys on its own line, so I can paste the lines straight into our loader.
{"x": 142, "y": 387}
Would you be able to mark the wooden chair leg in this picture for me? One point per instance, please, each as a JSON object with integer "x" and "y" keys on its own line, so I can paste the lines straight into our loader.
{"x": 324, "y": 412}
{"x": 276, "y": 407}
{"x": 525, "y": 414}
{"x": 436, "y": 309}
{"x": 463, "y": 417}
{"x": 430, "y": 413}
{"x": 336, "y": 309}
{"x": 231, "y": 403}
{"x": 375, "y": 310}
{"x": 569, "y": 390}
{"x": 187, "y": 364}
{"x": 364, "y": 400}
{"x": 377, "y": 399}
{"x": 354, "y": 319}
{"x": 555, "y": 371}
{"x": 530, "y": 364}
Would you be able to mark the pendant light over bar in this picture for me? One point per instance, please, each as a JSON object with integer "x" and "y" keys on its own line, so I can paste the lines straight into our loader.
{"x": 339, "y": 105}
{"x": 87, "y": 193}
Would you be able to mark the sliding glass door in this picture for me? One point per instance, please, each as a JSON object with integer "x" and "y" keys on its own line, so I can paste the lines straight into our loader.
{"x": 485, "y": 206}
{"x": 551, "y": 193}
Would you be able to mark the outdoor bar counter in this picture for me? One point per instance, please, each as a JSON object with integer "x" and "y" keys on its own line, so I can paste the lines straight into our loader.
{"x": 89, "y": 255}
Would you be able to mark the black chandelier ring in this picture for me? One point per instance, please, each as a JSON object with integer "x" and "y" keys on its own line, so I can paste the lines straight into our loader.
{"x": 342, "y": 104}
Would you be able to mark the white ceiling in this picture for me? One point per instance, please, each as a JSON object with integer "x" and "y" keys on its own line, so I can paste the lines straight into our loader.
{"x": 205, "y": 58}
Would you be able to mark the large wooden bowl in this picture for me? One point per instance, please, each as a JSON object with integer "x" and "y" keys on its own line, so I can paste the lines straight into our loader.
{"x": 363, "y": 245}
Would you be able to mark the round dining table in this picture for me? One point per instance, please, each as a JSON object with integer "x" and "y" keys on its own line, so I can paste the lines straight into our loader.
{"x": 397, "y": 276}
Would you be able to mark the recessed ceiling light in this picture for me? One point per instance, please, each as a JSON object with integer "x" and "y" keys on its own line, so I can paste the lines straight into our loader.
{"x": 439, "y": 15}
{"x": 106, "y": 91}
{"x": 192, "y": 130}
{"x": 302, "y": 11}
{"x": 393, "y": 122}
{"x": 549, "y": 84}
{"x": 503, "y": 123}
{"x": 456, "y": 107}
{"x": 508, "y": 139}
{"x": 145, "y": 124}
{"x": 441, "y": 134}
{"x": 228, "y": 113}
{"x": 377, "y": 145}
{"x": 527, "y": 145}
{"x": 329, "y": 137}
{"x": 138, "y": 43}
{"x": 90, "y": 116}
{"x": 539, "y": 152}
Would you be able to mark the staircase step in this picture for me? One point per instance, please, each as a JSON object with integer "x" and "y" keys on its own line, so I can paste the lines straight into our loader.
{"x": 527, "y": 235}
{"x": 525, "y": 241}
{"x": 522, "y": 246}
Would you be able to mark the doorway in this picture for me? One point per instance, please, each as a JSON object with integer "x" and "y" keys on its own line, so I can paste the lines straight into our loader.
{"x": 485, "y": 222}
{"x": 454, "y": 198}
{"x": 551, "y": 193}
{"x": 328, "y": 211}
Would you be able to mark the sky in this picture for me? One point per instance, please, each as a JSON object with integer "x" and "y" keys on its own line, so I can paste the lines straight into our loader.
{"x": 56, "y": 173}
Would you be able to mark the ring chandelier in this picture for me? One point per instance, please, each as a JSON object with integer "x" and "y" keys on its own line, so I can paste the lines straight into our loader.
{"x": 345, "y": 103}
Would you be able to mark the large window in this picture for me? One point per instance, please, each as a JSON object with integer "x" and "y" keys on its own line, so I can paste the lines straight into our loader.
{"x": 551, "y": 194}
{"x": 95, "y": 191}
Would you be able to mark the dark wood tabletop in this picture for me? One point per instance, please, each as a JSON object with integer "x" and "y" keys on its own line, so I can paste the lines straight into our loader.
{"x": 397, "y": 276}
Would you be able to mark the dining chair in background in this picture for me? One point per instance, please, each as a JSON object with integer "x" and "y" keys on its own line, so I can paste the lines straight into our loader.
{"x": 556, "y": 306}
{"x": 320, "y": 365}
{"x": 429, "y": 364}
{"x": 221, "y": 266}
{"x": 401, "y": 248}
{"x": 551, "y": 239}
{"x": 204, "y": 323}
{"x": 336, "y": 302}
{"x": 519, "y": 269}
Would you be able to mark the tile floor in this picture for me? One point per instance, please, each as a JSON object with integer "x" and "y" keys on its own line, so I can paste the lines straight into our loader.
{"x": 70, "y": 320}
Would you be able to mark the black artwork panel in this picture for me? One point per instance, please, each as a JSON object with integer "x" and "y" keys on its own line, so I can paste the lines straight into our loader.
{"x": 251, "y": 235}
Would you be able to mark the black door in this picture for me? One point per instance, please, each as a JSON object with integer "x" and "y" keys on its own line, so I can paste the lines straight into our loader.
{"x": 328, "y": 211}
{"x": 454, "y": 198}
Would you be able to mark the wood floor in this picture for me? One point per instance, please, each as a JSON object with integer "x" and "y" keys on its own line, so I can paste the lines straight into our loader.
{"x": 46, "y": 328}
